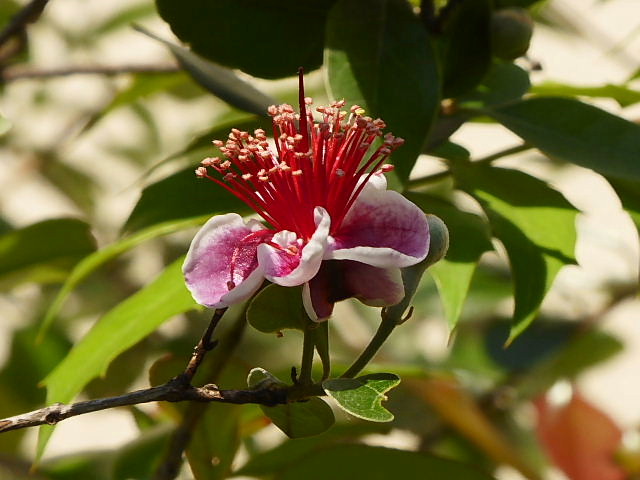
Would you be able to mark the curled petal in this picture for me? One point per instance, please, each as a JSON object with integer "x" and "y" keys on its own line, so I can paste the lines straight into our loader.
{"x": 382, "y": 229}
{"x": 221, "y": 267}
{"x": 338, "y": 280}
{"x": 291, "y": 265}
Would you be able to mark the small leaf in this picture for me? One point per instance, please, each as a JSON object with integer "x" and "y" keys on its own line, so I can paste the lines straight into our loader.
{"x": 362, "y": 397}
{"x": 469, "y": 239}
{"x": 571, "y": 131}
{"x": 220, "y": 81}
{"x": 581, "y": 440}
{"x": 276, "y": 308}
{"x": 535, "y": 223}
{"x": 379, "y": 56}
{"x": 119, "y": 329}
{"x": 178, "y": 197}
{"x": 296, "y": 419}
{"x": 44, "y": 251}
{"x": 261, "y": 38}
{"x": 94, "y": 261}
{"x": 348, "y": 462}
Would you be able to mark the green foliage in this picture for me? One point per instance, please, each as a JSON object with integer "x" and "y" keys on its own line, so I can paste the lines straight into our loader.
{"x": 271, "y": 42}
{"x": 277, "y": 308}
{"x": 379, "y": 56}
{"x": 572, "y": 131}
{"x": 362, "y": 397}
{"x": 43, "y": 252}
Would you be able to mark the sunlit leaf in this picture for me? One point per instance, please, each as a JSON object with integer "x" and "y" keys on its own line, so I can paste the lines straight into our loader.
{"x": 568, "y": 130}
{"x": 44, "y": 251}
{"x": 379, "y": 56}
{"x": 468, "y": 240}
{"x": 119, "y": 329}
{"x": 346, "y": 462}
{"x": 625, "y": 96}
{"x": 362, "y": 397}
{"x": 91, "y": 263}
{"x": 257, "y": 37}
{"x": 535, "y": 223}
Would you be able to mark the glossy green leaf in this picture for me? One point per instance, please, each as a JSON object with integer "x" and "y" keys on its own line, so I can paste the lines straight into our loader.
{"x": 214, "y": 443}
{"x": 379, "y": 56}
{"x": 257, "y": 37}
{"x": 465, "y": 46}
{"x": 625, "y": 96}
{"x": 276, "y": 308}
{"x": 535, "y": 223}
{"x": 296, "y": 419}
{"x": 181, "y": 196}
{"x": 347, "y": 462}
{"x": 44, "y": 251}
{"x": 469, "y": 239}
{"x": 572, "y": 131}
{"x": 362, "y": 397}
{"x": 91, "y": 263}
{"x": 119, "y": 329}
{"x": 220, "y": 81}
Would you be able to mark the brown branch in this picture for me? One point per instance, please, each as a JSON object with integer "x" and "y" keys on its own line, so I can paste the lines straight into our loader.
{"x": 16, "y": 73}
{"x": 173, "y": 391}
{"x": 18, "y": 23}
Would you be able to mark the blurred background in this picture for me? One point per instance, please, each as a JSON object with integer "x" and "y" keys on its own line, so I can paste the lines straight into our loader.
{"x": 92, "y": 111}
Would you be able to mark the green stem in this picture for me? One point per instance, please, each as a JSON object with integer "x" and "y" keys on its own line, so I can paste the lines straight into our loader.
{"x": 384, "y": 330}
{"x": 436, "y": 177}
{"x": 308, "y": 347}
{"x": 322, "y": 347}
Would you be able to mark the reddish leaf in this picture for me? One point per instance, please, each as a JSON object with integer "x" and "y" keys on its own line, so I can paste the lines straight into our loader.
{"x": 580, "y": 439}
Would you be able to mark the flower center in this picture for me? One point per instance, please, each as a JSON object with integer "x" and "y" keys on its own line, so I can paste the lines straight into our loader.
{"x": 323, "y": 163}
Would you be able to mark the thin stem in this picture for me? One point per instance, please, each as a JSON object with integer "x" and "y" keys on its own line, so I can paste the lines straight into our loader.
{"x": 387, "y": 325}
{"x": 322, "y": 347}
{"x": 18, "y": 23}
{"x": 14, "y": 74}
{"x": 308, "y": 349}
{"x": 204, "y": 345}
{"x": 436, "y": 177}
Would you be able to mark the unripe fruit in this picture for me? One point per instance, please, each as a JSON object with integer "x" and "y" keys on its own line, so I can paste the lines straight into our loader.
{"x": 511, "y": 30}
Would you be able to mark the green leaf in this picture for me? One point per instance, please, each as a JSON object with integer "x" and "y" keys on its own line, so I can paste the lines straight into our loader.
{"x": 505, "y": 82}
{"x": 119, "y": 329}
{"x": 276, "y": 308}
{"x": 629, "y": 194}
{"x": 625, "y": 96}
{"x": 220, "y": 81}
{"x": 5, "y": 125}
{"x": 261, "y": 38}
{"x": 572, "y": 131}
{"x": 347, "y": 462}
{"x": 465, "y": 47}
{"x": 362, "y": 397}
{"x": 214, "y": 443}
{"x": 91, "y": 263}
{"x": 141, "y": 457}
{"x": 469, "y": 239}
{"x": 181, "y": 196}
{"x": 296, "y": 419}
{"x": 535, "y": 223}
{"x": 43, "y": 252}
{"x": 411, "y": 276}
{"x": 379, "y": 56}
